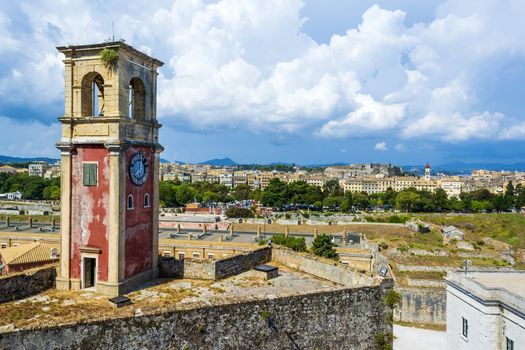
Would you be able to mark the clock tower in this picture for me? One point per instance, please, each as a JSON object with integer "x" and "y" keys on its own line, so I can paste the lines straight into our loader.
{"x": 110, "y": 169}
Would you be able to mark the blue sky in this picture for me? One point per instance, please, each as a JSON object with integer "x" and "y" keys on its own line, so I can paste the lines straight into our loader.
{"x": 309, "y": 81}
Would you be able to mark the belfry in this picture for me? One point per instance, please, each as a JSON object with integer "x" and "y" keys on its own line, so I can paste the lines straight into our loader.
{"x": 109, "y": 169}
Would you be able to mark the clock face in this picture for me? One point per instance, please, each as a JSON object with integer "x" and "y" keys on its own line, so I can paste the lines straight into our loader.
{"x": 138, "y": 169}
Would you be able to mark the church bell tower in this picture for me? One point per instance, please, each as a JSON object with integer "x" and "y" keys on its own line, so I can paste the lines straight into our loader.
{"x": 110, "y": 169}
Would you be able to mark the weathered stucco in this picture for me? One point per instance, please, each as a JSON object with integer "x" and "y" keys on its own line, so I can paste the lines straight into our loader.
{"x": 139, "y": 221}
{"x": 90, "y": 205}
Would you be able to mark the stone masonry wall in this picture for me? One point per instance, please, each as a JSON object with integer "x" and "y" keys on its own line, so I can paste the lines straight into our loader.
{"x": 28, "y": 283}
{"x": 331, "y": 270}
{"x": 342, "y": 319}
{"x": 423, "y": 306}
{"x": 213, "y": 269}
{"x": 241, "y": 263}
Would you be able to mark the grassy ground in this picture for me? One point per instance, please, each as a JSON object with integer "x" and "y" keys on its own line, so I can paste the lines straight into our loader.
{"x": 25, "y": 218}
{"x": 509, "y": 228}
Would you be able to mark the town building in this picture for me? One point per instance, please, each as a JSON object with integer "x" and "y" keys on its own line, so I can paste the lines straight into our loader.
{"x": 486, "y": 310}
{"x": 26, "y": 256}
{"x": 8, "y": 169}
{"x": 38, "y": 168}
{"x": 110, "y": 158}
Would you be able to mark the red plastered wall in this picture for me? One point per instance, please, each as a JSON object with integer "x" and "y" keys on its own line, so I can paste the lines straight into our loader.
{"x": 90, "y": 208}
{"x": 139, "y": 226}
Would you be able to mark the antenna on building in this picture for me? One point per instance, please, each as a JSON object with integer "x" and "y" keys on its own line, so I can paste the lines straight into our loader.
{"x": 466, "y": 264}
{"x": 113, "y": 31}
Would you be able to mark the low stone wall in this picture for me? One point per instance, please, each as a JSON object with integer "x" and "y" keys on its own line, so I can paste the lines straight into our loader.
{"x": 415, "y": 282}
{"x": 422, "y": 305}
{"x": 332, "y": 271}
{"x": 241, "y": 263}
{"x": 213, "y": 269}
{"x": 25, "y": 284}
{"x": 341, "y": 319}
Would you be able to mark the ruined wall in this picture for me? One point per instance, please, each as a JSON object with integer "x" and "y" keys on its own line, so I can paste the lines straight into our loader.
{"x": 139, "y": 227}
{"x": 22, "y": 285}
{"x": 322, "y": 268}
{"x": 423, "y": 305}
{"x": 341, "y": 319}
{"x": 90, "y": 206}
{"x": 242, "y": 262}
{"x": 213, "y": 269}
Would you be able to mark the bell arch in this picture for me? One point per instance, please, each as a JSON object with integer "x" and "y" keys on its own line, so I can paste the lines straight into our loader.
{"x": 92, "y": 95}
{"x": 136, "y": 99}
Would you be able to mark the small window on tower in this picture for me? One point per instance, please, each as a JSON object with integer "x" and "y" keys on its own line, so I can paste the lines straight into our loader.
{"x": 130, "y": 202}
{"x": 146, "y": 201}
{"x": 90, "y": 174}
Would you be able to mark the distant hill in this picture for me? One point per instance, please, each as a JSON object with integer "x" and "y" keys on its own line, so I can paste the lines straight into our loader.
{"x": 466, "y": 168}
{"x": 220, "y": 162}
{"x": 10, "y": 160}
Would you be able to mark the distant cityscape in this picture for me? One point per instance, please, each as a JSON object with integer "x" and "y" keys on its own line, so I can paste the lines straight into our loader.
{"x": 369, "y": 177}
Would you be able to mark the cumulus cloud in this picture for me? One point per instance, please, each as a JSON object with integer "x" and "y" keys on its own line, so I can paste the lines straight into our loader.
{"x": 381, "y": 146}
{"x": 249, "y": 65}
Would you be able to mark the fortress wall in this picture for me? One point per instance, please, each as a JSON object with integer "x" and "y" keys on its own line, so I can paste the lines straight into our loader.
{"x": 423, "y": 305}
{"x": 341, "y": 319}
{"x": 30, "y": 282}
{"x": 322, "y": 268}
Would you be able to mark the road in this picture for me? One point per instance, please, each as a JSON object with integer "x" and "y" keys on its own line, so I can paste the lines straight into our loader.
{"x": 410, "y": 338}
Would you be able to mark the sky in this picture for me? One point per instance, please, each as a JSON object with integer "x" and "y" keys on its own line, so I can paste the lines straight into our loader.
{"x": 297, "y": 81}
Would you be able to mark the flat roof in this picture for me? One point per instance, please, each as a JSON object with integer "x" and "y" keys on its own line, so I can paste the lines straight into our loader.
{"x": 513, "y": 282}
{"x": 504, "y": 287}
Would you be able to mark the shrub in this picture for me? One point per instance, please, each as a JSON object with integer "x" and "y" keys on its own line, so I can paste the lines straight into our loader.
{"x": 392, "y": 298}
{"x": 109, "y": 57}
{"x": 239, "y": 213}
{"x": 323, "y": 246}
{"x": 295, "y": 243}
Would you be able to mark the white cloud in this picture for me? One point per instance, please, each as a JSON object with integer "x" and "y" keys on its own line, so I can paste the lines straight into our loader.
{"x": 248, "y": 65}
{"x": 455, "y": 127}
{"x": 381, "y": 146}
{"x": 400, "y": 147}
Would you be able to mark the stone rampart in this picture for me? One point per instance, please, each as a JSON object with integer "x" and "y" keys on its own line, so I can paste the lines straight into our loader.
{"x": 329, "y": 270}
{"x": 347, "y": 318}
{"x": 25, "y": 284}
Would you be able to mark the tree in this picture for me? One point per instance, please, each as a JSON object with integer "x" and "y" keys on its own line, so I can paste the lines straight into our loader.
{"x": 295, "y": 243}
{"x": 185, "y": 194}
{"x": 406, "y": 200}
{"x": 360, "y": 201}
{"x": 275, "y": 194}
{"x": 332, "y": 188}
{"x": 347, "y": 202}
{"x": 52, "y": 192}
{"x": 332, "y": 202}
{"x": 168, "y": 194}
{"x": 323, "y": 246}
{"x": 241, "y": 192}
{"x": 440, "y": 199}
{"x": 509, "y": 189}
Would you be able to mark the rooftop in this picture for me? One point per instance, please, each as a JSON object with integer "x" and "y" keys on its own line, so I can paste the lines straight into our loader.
{"x": 55, "y": 307}
{"x": 505, "y": 287}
